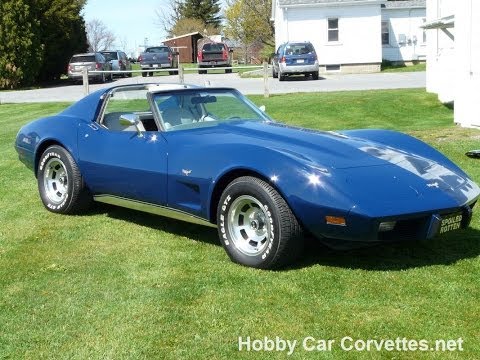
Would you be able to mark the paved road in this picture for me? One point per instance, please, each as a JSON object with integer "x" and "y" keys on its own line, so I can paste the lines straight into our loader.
{"x": 246, "y": 86}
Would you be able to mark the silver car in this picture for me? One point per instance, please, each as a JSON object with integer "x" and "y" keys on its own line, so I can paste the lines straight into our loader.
{"x": 92, "y": 62}
{"x": 119, "y": 61}
{"x": 294, "y": 58}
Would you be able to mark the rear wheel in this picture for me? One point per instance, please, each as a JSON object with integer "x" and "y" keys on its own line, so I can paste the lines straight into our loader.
{"x": 228, "y": 71}
{"x": 60, "y": 182}
{"x": 281, "y": 77}
{"x": 274, "y": 73}
{"x": 256, "y": 226}
{"x": 144, "y": 74}
{"x": 315, "y": 75}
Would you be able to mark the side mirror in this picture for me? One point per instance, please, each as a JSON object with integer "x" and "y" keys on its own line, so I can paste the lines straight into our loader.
{"x": 131, "y": 120}
{"x": 230, "y": 50}
{"x": 262, "y": 108}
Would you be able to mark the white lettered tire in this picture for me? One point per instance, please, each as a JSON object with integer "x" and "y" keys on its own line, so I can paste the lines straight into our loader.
{"x": 60, "y": 183}
{"x": 256, "y": 226}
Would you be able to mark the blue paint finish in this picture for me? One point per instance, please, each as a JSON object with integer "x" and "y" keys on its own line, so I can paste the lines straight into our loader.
{"x": 365, "y": 176}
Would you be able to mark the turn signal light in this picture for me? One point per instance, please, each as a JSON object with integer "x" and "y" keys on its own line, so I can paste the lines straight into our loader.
{"x": 335, "y": 220}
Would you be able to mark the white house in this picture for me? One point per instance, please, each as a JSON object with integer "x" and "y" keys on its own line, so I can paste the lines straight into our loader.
{"x": 353, "y": 35}
{"x": 453, "y": 56}
{"x": 403, "y": 38}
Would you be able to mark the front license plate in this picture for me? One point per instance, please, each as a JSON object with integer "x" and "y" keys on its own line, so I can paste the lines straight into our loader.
{"x": 450, "y": 223}
{"x": 300, "y": 61}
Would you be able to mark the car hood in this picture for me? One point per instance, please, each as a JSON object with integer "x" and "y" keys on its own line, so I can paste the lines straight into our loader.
{"x": 321, "y": 148}
{"x": 361, "y": 164}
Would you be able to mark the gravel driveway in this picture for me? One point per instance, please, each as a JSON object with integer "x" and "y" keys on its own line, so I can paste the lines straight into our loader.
{"x": 245, "y": 85}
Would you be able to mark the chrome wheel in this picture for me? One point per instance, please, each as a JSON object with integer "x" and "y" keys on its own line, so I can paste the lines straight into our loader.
{"x": 55, "y": 181}
{"x": 249, "y": 227}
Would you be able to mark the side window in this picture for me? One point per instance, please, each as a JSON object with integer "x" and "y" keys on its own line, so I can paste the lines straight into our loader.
{"x": 128, "y": 101}
{"x": 333, "y": 30}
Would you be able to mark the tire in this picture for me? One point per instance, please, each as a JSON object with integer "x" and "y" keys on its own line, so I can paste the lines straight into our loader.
{"x": 144, "y": 74}
{"x": 202, "y": 71}
{"x": 173, "y": 72}
{"x": 272, "y": 236}
{"x": 315, "y": 75}
{"x": 228, "y": 71}
{"x": 281, "y": 77}
{"x": 150, "y": 74}
{"x": 60, "y": 182}
{"x": 274, "y": 74}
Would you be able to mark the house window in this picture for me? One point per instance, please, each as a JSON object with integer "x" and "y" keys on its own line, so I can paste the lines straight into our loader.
{"x": 333, "y": 29}
{"x": 385, "y": 33}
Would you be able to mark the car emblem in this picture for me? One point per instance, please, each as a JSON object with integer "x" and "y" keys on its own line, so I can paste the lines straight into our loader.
{"x": 435, "y": 185}
{"x": 186, "y": 172}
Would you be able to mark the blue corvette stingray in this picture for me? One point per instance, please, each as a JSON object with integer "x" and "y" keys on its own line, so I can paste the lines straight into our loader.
{"x": 209, "y": 156}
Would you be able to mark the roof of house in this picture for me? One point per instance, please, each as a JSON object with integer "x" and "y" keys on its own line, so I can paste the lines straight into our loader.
{"x": 286, "y": 3}
{"x": 405, "y": 4}
{"x": 184, "y": 35}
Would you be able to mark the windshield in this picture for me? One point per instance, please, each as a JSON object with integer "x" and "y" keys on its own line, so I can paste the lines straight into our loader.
{"x": 83, "y": 58}
{"x": 157, "y": 50}
{"x": 188, "y": 109}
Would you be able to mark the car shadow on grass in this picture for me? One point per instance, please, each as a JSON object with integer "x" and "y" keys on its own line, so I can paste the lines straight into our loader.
{"x": 444, "y": 250}
{"x": 161, "y": 223}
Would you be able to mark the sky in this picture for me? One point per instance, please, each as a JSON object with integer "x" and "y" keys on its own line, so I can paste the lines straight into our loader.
{"x": 130, "y": 21}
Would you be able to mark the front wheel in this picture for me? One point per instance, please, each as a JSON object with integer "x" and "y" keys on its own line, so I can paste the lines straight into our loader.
{"x": 60, "y": 183}
{"x": 256, "y": 226}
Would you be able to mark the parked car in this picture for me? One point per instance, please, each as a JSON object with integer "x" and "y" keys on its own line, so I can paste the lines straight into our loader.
{"x": 209, "y": 156}
{"x": 93, "y": 62}
{"x": 158, "y": 57}
{"x": 213, "y": 54}
{"x": 119, "y": 61}
{"x": 295, "y": 58}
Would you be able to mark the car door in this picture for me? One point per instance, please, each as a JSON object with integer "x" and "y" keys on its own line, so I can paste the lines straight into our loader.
{"x": 122, "y": 162}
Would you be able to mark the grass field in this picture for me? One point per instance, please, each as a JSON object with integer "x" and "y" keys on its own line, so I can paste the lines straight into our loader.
{"x": 119, "y": 284}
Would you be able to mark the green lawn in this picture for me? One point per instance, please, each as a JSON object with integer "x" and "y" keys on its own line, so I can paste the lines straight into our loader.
{"x": 115, "y": 284}
{"x": 237, "y": 69}
{"x": 389, "y": 67}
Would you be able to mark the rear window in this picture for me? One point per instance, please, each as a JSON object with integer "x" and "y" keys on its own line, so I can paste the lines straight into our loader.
{"x": 157, "y": 50}
{"x": 83, "y": 58}
{"x": 110, "y": 55}
{"x": 213, "y": 47}
{"x": 299, "y": 49}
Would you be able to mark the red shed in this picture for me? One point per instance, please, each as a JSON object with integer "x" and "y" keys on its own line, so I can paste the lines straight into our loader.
{"x": 186, "y": 45}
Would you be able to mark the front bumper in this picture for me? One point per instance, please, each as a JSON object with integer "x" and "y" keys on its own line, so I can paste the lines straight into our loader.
{"x": 408, "y": 227}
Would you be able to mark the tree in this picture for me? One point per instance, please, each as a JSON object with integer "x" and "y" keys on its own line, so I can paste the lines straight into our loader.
{"x": 186, "y": 26}
{"x": 63, "y": 34}
{"x": 206, "y": 10}
{"x": 20, "y": 48}
{"x": 37, "y": 37}
{"x": 249, "y": 21}
{"x": 187, "y": 14}
{"x": 99, "y": 37}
